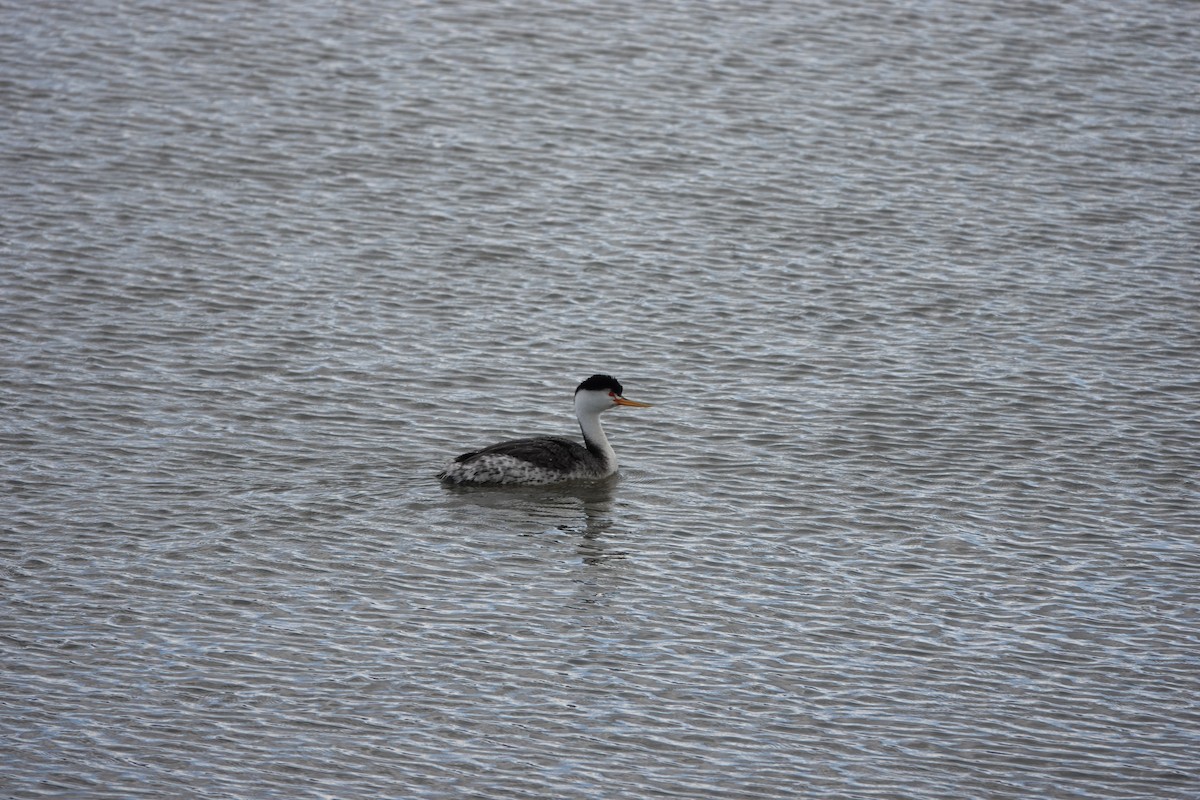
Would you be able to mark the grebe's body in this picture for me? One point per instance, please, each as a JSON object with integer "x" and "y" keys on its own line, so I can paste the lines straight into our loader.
{"x": 549, "y": 459}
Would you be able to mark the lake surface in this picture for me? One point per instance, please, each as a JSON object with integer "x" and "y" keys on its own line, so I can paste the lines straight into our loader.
{"x": 913, "y": 289}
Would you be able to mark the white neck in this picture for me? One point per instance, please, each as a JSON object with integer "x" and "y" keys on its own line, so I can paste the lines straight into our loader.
{"x": 589, "y": 423}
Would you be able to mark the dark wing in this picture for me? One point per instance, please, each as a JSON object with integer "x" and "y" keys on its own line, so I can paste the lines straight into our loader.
{"x": 548, "y": 452}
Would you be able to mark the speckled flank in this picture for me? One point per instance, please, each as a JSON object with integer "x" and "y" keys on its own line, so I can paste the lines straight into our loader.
{"x": 504, "y": 469}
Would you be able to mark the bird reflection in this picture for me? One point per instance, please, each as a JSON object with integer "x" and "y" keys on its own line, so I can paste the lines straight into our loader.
{"x": 578, "y": 509}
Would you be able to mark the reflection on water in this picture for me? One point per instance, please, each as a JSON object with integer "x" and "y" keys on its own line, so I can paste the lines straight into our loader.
{"x": 580, "y": 509}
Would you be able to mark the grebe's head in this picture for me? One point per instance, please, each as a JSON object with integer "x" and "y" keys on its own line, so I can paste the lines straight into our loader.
{"x": 600, "y": 393}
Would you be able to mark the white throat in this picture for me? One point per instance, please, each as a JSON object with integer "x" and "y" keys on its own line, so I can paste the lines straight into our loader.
{"x": 588, "y": 411}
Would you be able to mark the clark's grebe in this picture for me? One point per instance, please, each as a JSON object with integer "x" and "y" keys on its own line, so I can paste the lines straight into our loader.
{"x": 547, "y": 459}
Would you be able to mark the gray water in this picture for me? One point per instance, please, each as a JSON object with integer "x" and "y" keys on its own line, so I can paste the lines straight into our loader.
{"x": 912, "y": 288}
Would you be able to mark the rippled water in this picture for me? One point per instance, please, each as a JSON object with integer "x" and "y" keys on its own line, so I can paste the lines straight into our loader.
{"x": 913, "y": 289}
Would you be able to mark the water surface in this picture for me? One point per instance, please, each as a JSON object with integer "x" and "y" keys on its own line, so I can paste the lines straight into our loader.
{"x": 912, "y": 290}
